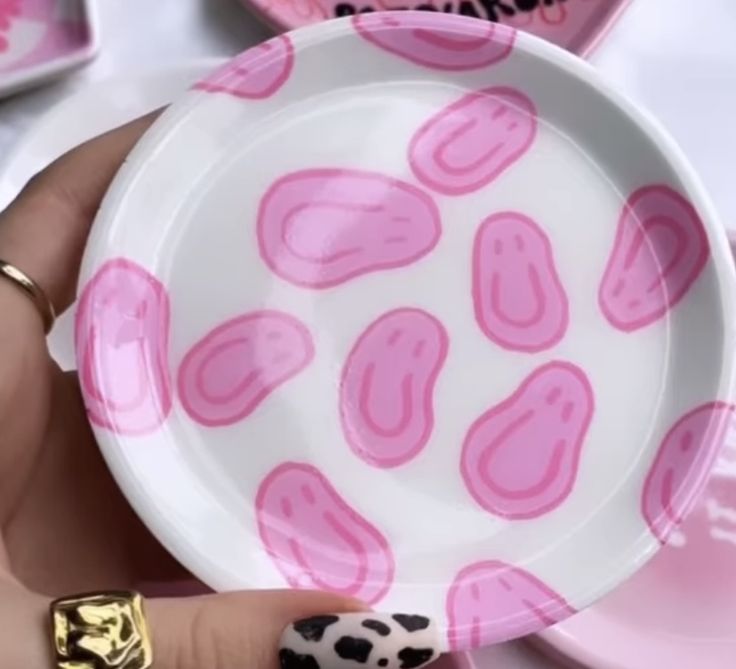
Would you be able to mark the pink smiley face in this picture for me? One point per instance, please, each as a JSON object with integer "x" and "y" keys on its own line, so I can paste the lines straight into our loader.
{"x": 386, "y": 393}
{"x": 317, "y": 540}
{"x": 520, "y": 459}
{"x": 322, "y": 227}
{"x": 456, "y": 44}
{"x": 474, "y": 140}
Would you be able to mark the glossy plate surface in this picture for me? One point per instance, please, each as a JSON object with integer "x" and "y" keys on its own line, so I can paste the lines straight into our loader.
{"x": 422, "y": 335}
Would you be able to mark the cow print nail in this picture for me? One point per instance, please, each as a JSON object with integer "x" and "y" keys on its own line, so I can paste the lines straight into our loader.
{"x": 411, "y": 623}
{"x": 312, "y": 629}
{"x": 360, "y": 641}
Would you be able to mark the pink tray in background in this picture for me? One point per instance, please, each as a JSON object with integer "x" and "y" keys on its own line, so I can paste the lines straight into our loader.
{"x": 41, "y": 39}
{"x": 575, "y": 25}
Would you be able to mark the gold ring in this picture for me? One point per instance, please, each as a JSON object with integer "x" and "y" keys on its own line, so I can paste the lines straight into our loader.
{"x": 32, "y": 290}
{"x": 101, "y": 631}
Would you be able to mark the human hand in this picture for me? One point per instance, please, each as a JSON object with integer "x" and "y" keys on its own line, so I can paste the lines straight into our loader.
{"x": 65, "y": 526}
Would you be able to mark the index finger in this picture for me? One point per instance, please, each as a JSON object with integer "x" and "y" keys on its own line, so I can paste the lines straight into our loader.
{"x": 43, "y": 232}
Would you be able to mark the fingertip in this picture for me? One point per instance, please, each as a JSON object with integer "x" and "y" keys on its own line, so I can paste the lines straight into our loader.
{"x": 235, "y": 629}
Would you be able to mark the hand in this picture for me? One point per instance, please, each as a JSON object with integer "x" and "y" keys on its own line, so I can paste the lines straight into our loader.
{"x": 65, "y": 527}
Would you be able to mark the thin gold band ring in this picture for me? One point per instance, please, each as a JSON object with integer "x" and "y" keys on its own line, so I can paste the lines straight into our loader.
{"x": 32, "y": 291}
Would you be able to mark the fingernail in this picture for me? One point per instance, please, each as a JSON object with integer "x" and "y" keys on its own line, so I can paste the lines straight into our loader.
{"x": 359, "y": 640}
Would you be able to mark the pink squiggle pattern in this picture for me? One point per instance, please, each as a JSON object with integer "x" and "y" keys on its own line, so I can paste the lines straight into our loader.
{"x": 317, "y": 540}
{"x": 474, "y": 140}
{"x": 682, "y": 464}
{"x": 520, "y": 459}
{"x": 518, "y": 297}
{"x": 455, "y": 44}
{"x": 228, "y": 373}
{"x": 122, "y": 331}
{"x": 257, "y": 73}
{"x": 491, "y": 602}
{"x": 661, "y": 248}
{"x": 387, "y": 387}
{"x": 318, "y": 228}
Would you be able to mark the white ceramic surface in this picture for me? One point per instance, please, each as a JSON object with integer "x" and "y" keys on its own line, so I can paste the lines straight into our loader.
{"x": 193, "y": 469}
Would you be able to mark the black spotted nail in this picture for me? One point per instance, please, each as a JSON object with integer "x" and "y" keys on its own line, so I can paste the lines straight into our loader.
{"x": 360, "y": 641}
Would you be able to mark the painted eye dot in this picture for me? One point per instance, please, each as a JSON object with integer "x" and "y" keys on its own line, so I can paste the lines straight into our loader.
{"x": 383, "y": 662}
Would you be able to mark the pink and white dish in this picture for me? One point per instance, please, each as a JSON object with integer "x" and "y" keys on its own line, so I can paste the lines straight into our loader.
{"x": 419, "y": 330}
{"x": 41, "y": 39}
{"x": 575, "y": 25}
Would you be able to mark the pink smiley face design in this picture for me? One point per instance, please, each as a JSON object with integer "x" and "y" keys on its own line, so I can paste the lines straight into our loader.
{"x": 688, "y": 450}
{"x": 122, "y": 332}
{"x": 317, "y": 540}
{"x": 456, "y": 44}
{"x": 386, "y": 394}
{"x": 257, "y": 73}
{"x": 320, "y": 228}
{"x": 660, "y": 250}
{"x": 491, "y": 602}
{"x": 520, "y": 302}
{"x": 470, "y": 143}
{"x": 520, "y": 459}
{"x": 228, "y": 373}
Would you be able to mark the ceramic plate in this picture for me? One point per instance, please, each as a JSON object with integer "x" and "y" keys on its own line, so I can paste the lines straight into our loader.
{"x": 576, "y": 25}
{"x": 85, "y": 114}
{"x": 420, "y": 330}
{"x": 679, "y": 610}
{"x": 40, "y": 39}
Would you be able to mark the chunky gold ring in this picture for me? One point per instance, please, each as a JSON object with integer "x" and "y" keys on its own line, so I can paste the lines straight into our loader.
{"x": 101, "y": 631}
{"x": 32, "y": 290}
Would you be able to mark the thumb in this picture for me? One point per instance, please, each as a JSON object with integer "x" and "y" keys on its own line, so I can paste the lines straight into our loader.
{"x": 291, "y": 629}
{"x": 232, "y": 630}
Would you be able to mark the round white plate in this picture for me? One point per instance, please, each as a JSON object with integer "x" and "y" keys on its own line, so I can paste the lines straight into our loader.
{"x": 427, "y": 330}
{"x": 87, "y": 113}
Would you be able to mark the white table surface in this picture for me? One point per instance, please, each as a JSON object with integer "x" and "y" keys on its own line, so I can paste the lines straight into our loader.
{"x": 675, "y": 57}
